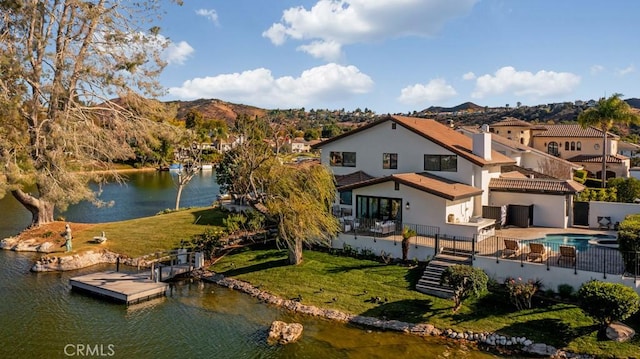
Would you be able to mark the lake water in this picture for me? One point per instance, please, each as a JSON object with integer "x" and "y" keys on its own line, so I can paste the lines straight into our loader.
{"x": 40, "y": 317}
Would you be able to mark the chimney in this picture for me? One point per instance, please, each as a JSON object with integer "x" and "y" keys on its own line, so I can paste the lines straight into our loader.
{"x": 485, "y": 127}
{"x": 482, "y": 145}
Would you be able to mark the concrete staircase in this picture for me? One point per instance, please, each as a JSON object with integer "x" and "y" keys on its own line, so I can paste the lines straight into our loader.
{"x": 430, "y": 281}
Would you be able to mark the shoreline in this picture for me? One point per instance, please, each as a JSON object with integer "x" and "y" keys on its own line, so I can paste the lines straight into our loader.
{"x": 485, "y": 341}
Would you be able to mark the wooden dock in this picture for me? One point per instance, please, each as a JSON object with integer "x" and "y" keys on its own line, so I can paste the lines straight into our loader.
{"x": 132, "y": 288}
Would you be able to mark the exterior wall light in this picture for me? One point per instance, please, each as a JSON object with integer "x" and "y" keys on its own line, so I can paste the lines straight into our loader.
{"x": 408, "y": 205}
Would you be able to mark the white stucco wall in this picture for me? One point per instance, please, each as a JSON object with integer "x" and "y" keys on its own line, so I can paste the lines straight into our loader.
{"x": 550, "y": 278}
{"x": 371, "y": 144}
{"x": 617, "y": 211}
{"x": 548, "y": 210}
{"x": 393, "y": 248}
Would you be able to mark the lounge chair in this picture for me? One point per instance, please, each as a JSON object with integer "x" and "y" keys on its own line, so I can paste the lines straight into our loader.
{"x": 511, "y": 248}
{"x": 604, "y": 223}
{"x": 568, "y": 253}
{"x": 537, "y": 250}
{"x": 100, "y": 239}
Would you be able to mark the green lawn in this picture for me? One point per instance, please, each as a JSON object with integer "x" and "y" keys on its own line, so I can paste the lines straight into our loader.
{"x": 137, "y": 237}
{"x": 348, "y": 284}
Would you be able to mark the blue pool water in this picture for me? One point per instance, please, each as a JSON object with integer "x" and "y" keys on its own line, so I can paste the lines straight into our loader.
{"x": 580, "y": 241}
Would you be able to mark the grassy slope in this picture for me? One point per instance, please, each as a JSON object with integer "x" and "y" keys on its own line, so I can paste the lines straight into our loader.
{"x": 323, "y": 277}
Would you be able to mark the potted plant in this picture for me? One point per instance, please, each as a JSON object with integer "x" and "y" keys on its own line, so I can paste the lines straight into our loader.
{"x": 407, "y": 233}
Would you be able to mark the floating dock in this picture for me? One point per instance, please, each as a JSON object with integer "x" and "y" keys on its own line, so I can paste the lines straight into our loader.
{"x": 132, "y": 288}
{"x": 121, "y": 287}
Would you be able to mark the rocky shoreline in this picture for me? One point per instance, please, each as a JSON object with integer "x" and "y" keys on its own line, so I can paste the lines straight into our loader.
{"x": 484, "y": 340}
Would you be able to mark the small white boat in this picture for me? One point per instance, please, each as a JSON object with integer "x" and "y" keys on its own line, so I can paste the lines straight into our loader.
{"x": 207, "y": 167}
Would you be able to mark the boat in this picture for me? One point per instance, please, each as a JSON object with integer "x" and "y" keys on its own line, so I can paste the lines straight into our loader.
{"x": 175, "y": 167}
{"x": 208, "y": 167}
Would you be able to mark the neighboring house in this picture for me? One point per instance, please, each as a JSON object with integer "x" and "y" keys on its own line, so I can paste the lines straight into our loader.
{"x": 570, "y": 142}
{"x": 419, "y": 171}
{"x": 628, "y": 149}
{"x": 525, "y": 156}
{"x": 225, "y": 144}
{"x": 300, "y": 145}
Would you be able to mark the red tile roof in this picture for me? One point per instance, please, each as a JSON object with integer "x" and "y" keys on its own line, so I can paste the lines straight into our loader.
{"x": 425, "y": 182}
{"x": 597, "y": 158}
{"x": 511, "y": 121}
{"x": 529, "y": 185}
{"x": 351, "y": 178}
{"x": 572, "y": 130}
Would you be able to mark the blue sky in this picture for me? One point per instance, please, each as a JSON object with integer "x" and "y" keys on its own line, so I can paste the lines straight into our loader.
{"x": 400, "y": 55}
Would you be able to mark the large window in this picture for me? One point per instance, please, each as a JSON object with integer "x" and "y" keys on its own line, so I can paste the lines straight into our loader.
{"x": 342, "y": 159}
{"x": 379, "y": 208}
{"x": 445, "y": 163}
{"x": 552, "y": 149}
{"x": 390, "y": 161}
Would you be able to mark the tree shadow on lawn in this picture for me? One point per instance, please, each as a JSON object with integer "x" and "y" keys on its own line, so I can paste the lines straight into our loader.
{"x": 341, "y": 269}
{"x": 208, "y": 217}
{"x": 550, "y": 331}
{"x": 233, "y": 271}
{"x": 406, "y": 310}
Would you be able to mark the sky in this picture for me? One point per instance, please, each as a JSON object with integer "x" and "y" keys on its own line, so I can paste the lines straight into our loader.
{"x": 400, "y": 56}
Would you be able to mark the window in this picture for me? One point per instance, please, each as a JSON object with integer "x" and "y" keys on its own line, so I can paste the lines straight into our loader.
{"x": 390, "y": 161}
{"x": 573, "y": 146}
{"x": 393, "y": 126}
{"x": 552, "y": 148}
{"x": 521, "y": 141}
{"x": 448, "y": 163}
{"x": 509, "y": 131}
{"x": 382, "y": 208}
{"x": 566, "y": 146}
{"x": 346, "y": 197}
{"x": 579, "y": 146}
{"x": 396, "y": 186}
{"x": 342, "y": 159}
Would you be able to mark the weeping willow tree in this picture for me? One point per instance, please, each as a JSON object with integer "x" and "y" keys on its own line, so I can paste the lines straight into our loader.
{"x": 61, "y": 61}
{"x": 299, "y": 198}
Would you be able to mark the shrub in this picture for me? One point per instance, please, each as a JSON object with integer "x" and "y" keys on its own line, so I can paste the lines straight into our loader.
{"x": 580, "y": 176}
{"x": 565, "y": 291}
{"x": 466, "y": 281}
{"x": 607, "y": 302}
{"x": 521, "y": 293}
{"x": 629, "y": 242}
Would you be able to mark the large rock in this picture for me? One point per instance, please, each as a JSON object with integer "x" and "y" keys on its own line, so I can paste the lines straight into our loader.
{"x": 619, "y": 332}
{"x": 284, "y": 333}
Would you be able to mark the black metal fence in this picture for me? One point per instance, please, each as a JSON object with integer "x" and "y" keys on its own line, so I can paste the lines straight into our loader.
{"x": 592, "y": 258}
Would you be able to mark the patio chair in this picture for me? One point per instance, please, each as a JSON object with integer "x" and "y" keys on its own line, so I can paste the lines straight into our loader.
{"x": 537, "y": 250}
{"x": 511, "y": 248}
{"x": 568, "y": 253}
{"x": 604, "y": 223}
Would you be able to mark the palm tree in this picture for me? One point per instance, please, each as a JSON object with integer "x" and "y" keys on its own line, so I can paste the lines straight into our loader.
{"x": 608, "y": 112}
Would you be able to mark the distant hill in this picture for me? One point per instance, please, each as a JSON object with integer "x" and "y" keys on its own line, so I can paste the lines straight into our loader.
{"x": 215, "y": 109}
{"x": 467, "y": 106}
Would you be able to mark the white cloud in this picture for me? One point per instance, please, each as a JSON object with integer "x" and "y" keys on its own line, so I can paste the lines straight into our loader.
{"x": 626, "y": 71}
{"x": 542, "y": 84}
{"x": 178, "y": 53}
{"x": 210, "y": 14}
{"x": 327, "y": 83}
{"x": 596, "y": 69}
{"x": 353, "y": 21}
{"x": 437, "y": 90}
{"x": 327, "y": 50}
{"x": 469, "y": 76}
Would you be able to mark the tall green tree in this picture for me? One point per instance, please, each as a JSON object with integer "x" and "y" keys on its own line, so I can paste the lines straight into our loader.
{"x": 61, "y": 61}
{"x": 296, "y": 198}
{"x": 609, "y": 112}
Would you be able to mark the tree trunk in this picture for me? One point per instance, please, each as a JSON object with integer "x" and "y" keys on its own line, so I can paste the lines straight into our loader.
{"x": 405, "y": 249}
{"x": 295, "y": 252}
{"x": 41, "y": 211}
{"x": 180, "y": 186}
{"x": 603, "y": 177}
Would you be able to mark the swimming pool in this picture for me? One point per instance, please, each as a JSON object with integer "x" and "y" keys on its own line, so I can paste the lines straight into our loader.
{"x": 580, "y": 241}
